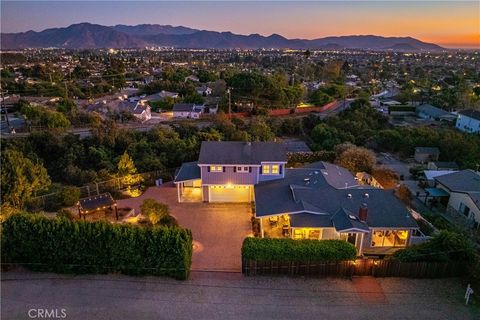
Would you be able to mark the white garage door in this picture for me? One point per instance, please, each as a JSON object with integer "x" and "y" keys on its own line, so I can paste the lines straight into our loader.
{"x": 230, "y": 193}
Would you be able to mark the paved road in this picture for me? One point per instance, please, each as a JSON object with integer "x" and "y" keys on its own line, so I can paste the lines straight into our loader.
{"x": 232, "y": 296}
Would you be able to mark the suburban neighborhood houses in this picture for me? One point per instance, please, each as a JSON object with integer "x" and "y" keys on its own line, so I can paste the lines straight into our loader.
{"x": 239, "y": 160}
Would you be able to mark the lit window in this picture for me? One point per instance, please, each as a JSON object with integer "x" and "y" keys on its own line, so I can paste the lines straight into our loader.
{"x": 389, "y": 238}
{"x": 216, "y": 169}
{"x": 266, "y": 169}
{"x": 275, "y": 169}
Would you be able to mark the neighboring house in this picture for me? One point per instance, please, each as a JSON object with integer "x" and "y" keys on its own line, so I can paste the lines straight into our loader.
{"x": 187, "y": 110}
{"x": 367, "y": 179}
{"x": 429, "y": 112}
{"x": 468, "y": 121}
{"x": 140, "y": 109}
{"x": 204, "y": 91}
{"x": 462, "y": 194}
{"x": 227, "y": 171}
{"x": 442, "y": 165}
{"x": 426, "y": 154}
{"x": 159, "y": 96}
{"x": 319, "y": 201}
{"x": 430, "y": 175}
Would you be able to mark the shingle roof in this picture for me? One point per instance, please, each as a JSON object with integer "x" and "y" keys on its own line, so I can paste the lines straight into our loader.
{"x": 309, "y": 185}
{"x": 188, "y": 171}
{"x": 235, "y": 152}
{"x": 345, "y": 220}
{"x": 475, "y": 114}
{"x": 430, "y": 150}
{"x": 308, "y": 220}
{"x": 183, "y": 107}
{"x": 434, "y": 111}
{"x": 461, "y": 181}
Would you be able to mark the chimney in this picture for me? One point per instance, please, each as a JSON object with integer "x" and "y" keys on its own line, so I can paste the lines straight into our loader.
{"x": 363, "y": 212}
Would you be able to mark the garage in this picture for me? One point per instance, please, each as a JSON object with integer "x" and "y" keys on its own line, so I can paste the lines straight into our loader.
{"x": 230, "y": 193}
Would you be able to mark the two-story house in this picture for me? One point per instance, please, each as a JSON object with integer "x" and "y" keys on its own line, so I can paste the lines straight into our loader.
{"x": 227, "y": 171}
{"x": 319, "y": 201}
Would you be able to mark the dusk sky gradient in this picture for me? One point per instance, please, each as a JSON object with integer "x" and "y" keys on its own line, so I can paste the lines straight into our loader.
{"x": 447, "y": 23}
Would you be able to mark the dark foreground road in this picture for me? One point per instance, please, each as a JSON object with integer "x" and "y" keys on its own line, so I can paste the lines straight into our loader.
{"x": 231, "y": 296}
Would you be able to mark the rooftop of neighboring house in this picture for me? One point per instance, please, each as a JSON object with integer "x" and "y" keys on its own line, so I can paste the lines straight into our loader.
{"x": 465, "y": 181}
{"x": 434, "y": 111}
{"x": 474, "y": 114}
{"x": 429, "y": 150}
{"x": 325, "y": 195}
{"x": 445, "y": 164}
{"x": 188, "y": 171}
{"x": 237, "y": 152}
{"x": 183, "y": 107}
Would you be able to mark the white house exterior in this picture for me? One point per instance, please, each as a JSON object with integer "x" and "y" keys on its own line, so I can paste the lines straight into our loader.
{"x": 463, "y": 188}
{"x": 187, "y": 110}
{"x": 468, "y": 121}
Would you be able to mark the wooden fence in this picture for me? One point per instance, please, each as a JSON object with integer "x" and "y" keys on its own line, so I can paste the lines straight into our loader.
{"x": 359, "y": 267}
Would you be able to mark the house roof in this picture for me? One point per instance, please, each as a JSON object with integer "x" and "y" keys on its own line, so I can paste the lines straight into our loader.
{"x": 296, "y": 146}
{"x": 446, "y": 164}
{"x": 236, "y": 152}
{"x": 474, "y": 114}
{"x": 188, "y": 171}
{"x": 183, "y": 107}
{"x": 345, "y": 220}
{"x": 308, "y": 220}
{"x": 432, "y": 174}
{"x": 434, "y": 111}
{"x": 96, "y": 202}
{"x": 461, "y": 181}
{"x": 310, "y": 186}
{"x": 429, "y": 150}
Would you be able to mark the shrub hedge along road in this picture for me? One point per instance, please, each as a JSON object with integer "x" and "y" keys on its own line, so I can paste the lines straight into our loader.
{"x": 297, "y": 250}
{"x": 65, "y": 246}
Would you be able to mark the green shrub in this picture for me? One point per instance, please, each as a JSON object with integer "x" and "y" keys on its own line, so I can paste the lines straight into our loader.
{"x": 309, "y": 157}
{"x": 65, "y": 213}
{"x": 446, "y": 246}
{"x": 70, "y": 195}
{"x": 65, "y": 246}
{"x": 297, "y": 250}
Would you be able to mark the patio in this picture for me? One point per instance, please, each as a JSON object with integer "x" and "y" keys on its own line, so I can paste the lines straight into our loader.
{"x": 276, "y": 227}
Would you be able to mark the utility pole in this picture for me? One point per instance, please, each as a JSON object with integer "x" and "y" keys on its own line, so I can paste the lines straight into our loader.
{"x": 229, "y": 103}
{"x": 5, "y": 108}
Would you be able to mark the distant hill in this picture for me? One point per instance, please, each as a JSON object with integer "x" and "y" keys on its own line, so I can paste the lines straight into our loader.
{"x": 87, "y": 35}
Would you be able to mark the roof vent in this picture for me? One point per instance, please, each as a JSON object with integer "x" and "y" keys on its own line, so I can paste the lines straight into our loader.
{"x": 316, "y": 172}
{"x": 366, "y": 195}
{"x": 306, "y": 179}
{"x": 349, "y": 196}
{"x": 352, "y": 217}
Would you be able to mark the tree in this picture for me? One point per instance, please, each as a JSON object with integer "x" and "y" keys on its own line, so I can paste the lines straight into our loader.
{"x": 386, "y": 177}
{"x": 404, "y": 194}
{"x": 357, "y": 159}
{"x": 127, "y": 171}
{"x": 154, "y": 210}
{"x": 21, "y": 178}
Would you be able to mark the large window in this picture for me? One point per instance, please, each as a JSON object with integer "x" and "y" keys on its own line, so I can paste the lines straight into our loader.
{"x": 275, "y": 169}
{"x": 216, "y": 169}
{"x": 243, "y": 169}
{"x": 272, "y": 169}
{"x": 389, "y": 238}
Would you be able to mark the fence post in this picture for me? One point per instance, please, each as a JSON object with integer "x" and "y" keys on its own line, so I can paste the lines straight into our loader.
{"x": 98, "y": 191}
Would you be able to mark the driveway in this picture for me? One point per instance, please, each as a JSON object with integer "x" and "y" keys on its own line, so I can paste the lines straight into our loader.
{"x": 218, "y": 229}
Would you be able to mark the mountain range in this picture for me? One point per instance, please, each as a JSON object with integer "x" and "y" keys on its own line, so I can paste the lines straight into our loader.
{"x": 91, "y": 36}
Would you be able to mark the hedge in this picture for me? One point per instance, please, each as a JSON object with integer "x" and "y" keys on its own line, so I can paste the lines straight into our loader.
{"x": 309, "y": 157}
{"x": 64, "y": 246}
{"x": 265, "y": 249}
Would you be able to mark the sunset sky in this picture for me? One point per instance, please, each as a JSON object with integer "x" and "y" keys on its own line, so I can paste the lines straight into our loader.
{"x": 447, "y": 23}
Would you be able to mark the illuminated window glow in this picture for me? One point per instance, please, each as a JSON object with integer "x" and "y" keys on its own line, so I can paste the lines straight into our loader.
{"x": 216, "y": 169}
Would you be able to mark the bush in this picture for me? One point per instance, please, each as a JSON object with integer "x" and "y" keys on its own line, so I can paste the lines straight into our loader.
{"x": 309, "y": 157}
{"x": 65, "y": 246}
{"x": 297, "y": 250}
{"x": 65, "y": 213}
{"x": 446, "y": 246}
{"x": 70, "y": 195}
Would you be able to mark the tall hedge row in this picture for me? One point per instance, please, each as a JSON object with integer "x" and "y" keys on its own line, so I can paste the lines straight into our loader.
{"x": 297, "y": 250}
{"x": 65, "y": 246}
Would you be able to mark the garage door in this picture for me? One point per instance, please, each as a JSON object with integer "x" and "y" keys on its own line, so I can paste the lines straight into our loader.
{"x": 230, "y": 193}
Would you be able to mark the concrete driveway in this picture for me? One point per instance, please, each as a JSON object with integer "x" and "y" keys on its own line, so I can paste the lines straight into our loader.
{"x": 218, "y": 229}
